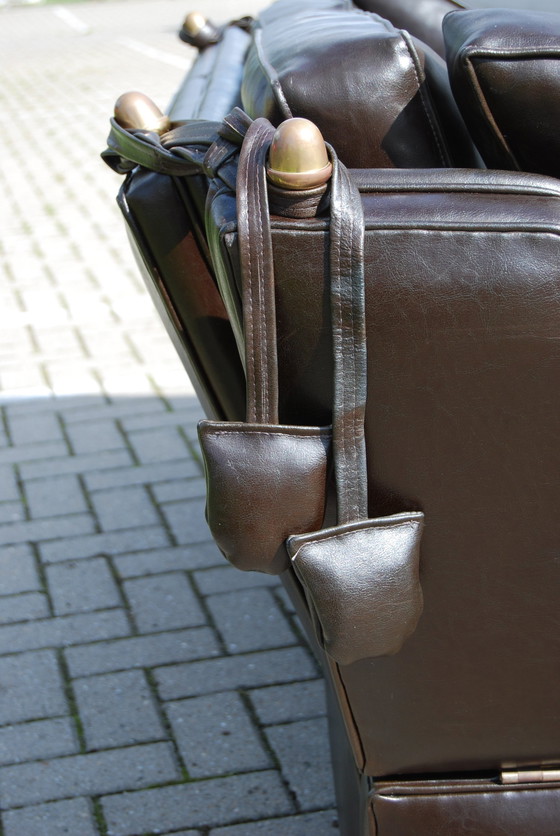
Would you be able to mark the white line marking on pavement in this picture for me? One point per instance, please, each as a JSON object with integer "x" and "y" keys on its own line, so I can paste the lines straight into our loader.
{"x": 156, "y": 54}
{"x": 71, "y": 20}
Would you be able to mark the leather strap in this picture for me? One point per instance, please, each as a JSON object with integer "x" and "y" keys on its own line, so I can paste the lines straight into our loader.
{"x": 349, "y": 345}
{"x": 257, "y": 270}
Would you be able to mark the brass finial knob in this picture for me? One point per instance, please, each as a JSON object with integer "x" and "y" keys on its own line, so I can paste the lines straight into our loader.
{"x": 135, "y": 111}
{"x": 198, "y": 31}
{"x": 298, "y": 158}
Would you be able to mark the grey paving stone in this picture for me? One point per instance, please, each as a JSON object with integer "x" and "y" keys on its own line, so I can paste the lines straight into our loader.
{"x": 23, "y": 607}
{"x": 117, "y": 408}
{"x": 180, "y": 489}
{"x": 46, "y": 529}
{"x": 313, "y": 824}
{"x": 55, "y": 496}
{"x": 142, "y": 651}
{"x": 226, "y": 578}
{"x": 156, "y": 561}
{"x": 33, "y": 453}
{"x": 109, "y": 543}
{"x": 163, "y": 602}
{"x": 63, "y": 631}
{"x": 202, "y": 803}
{"x": 187, "y": 522}
{"x": 38, "y": 740}
{"x": 215, "y": 735}
{"x": 73, "y": 817}
{"x": 29, "y": 429}
{"x": 18, "y": 570}
{"x": 96, "y": 773}
{"x": 95, "y": 436}
{"x": 32, "y": 687}
{"x": 8, "y": 486}
{"x": 159, "y": 445}
{"x": 12, "y": 512}
{"x": 250, "y": 620}
{"x": 124, "y": 508}
{"x": 233, "y": 672}
{"x": 303, "y": 751}
{"x": 142, "y": 474}
{"x": 186, "y": 411}
{"x": 74, "y": 464}
{"x": 117, "y": 709}
{"x": 82, "y": 586}
{"x": 285, "y": 703}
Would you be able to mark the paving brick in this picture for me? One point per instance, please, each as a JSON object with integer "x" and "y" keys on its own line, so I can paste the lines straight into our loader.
{"x": 82, "y": 586}
{"x": 146, "y": 474}
{"x": 18, "y": 570}
{"x": 285, "y": 703}
{"x": 117, "y": 709}
{"x": 118, "y": 408}
{"x": 250, "y": 620}
{"x": 55, "y": 496}
{"x": 73, "y": 817}
{"x": 313, "y": 824}
{"x": 124, "y": 508}
{"x": 46, "y": 529}
{"x": 181, "y": 415}
{"x": 32, "y": 687}
{"x": 159, "y": 445}
{"x": 38, "y": 740}
{"x": 187, "y": 521}
{"x": 33, "y": 453}
{"x": 64, "y": 630}
{"x": 215, "y": 735}
{"x": 226, "y": 578}
{"x": 303, "y": 751}
{"x": 142, "y": 651}
{"x": 95, "y": 436}
{"x": 180, "y": 489}
{"x": 8, "y": 486}
{"x": 36, "y": 428}
{"x": 74, "y": 464}
{"x": 12, "y": 512}
{"x": 228, "y": 673}
{"x": 167, "y": 560}
{"x": 163, "y": 602}
{"x": 23, "y": 607}
{"x": 109, "y": 543}
{"x": 96, "y": 773}
{"x": 202, "y": 803}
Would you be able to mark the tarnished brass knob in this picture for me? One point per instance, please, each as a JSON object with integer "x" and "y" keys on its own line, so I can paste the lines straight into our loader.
{"x": 198, "y": 31}
{"x": 135, "y": 111}
{"x": 298, "y": 158}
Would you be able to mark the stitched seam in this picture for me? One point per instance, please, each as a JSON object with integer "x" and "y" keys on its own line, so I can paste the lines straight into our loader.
{"x": 263, "y": 344}
{"x": 426, "y": 103}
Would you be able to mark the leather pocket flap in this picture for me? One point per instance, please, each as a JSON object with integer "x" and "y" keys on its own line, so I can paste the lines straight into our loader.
{"x": 362, "y": 582}
{"x": 264, "y": 482}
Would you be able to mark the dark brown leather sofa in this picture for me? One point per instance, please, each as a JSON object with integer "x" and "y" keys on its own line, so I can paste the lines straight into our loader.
{"x": 457, "y": 167}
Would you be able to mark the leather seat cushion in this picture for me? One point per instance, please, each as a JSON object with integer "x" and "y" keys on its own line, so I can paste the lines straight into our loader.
{"x": 505, "y": 73}
{"x": 380, "y": 98}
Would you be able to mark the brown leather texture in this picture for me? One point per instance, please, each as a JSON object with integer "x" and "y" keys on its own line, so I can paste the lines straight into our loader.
{"x": 377, "y": 96}
{"x": 263, "y": 484}
{"x": 469, "y": 807}
{"x": 463, "y": 299}
{"x": 362, "y": 583}
{"x": 422, "y": 18}
{"x": 504, "y": 67}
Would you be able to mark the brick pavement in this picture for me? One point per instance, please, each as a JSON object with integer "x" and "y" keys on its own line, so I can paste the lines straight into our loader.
{"x": 145, "y": 686}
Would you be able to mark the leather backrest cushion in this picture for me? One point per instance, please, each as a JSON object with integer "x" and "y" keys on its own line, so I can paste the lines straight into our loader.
{"x": 422, "y": 18}
{"x": 380, "y": 98}
{"x": 505, "y": 73}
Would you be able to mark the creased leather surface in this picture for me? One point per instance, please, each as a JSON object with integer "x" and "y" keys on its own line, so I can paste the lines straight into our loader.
{"x": 422, "y": 18}
{"x": 504, "y": 67}
{"x": 465, "y": 808}
{"x": 263, "y": 484}
{"x": 379, "y": 98}
{"x": 362, "y": 582}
